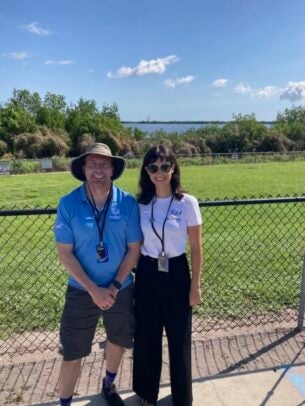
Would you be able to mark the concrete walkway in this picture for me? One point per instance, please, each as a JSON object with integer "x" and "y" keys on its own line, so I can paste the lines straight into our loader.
{"x": 283, "y": 387}
{"x": 253, "y": 369}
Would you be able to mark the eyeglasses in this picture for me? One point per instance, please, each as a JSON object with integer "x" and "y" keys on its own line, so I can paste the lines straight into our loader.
{"x": 153, "y": 168}
{"x": 98, "y": 165}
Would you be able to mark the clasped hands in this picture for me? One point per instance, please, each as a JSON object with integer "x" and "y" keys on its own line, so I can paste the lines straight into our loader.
{"x": 105, "y": 297}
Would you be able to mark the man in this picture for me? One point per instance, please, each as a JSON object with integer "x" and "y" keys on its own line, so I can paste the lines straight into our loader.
{"x": 98, "y": 235}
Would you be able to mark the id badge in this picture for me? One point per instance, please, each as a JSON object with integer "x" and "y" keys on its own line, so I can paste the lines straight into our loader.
{"x": 162, "y": 262}
{"x": 102, "y": 253}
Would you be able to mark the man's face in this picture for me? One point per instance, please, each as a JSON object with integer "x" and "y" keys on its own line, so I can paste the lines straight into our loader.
{"x": 98, "y": 169}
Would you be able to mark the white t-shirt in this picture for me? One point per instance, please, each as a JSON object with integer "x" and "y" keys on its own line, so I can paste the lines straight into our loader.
{"x": 182, "y": 214}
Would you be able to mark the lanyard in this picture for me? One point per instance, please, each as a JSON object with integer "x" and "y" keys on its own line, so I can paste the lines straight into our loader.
{"x": 162, "y": 239}
{"x": 98, "y": 214}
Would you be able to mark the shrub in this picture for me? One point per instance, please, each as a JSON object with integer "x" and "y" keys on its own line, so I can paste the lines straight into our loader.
{"x": 3, "y": 147}
{"x": 83, "y": 143}
{"x": 53, "y": 145}
{"x": 28, "y": 145}
{"x": 60, "y": 164}
{"x": 21, "y": 166}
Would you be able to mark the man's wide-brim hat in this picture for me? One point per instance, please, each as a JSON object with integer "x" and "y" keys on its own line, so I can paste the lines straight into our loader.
{"x": 77, "y": 164}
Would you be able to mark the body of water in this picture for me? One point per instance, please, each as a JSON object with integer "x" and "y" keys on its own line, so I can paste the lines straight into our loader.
{"x": 173, "y": 127}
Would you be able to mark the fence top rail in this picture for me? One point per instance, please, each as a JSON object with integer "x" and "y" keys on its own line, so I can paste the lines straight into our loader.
{"x": 209, "y": 203}
{"x": 27, "y": 212}
{"x": 242, "y": 202}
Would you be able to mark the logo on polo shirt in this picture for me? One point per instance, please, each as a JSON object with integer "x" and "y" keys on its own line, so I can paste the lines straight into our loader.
{"x": 89, "y": 221}
{"x": 175, "y": 212}
{"x": 115, "y": 213}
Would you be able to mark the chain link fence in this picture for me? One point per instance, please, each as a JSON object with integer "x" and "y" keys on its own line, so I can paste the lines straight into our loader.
{"x": 254, "y": 259}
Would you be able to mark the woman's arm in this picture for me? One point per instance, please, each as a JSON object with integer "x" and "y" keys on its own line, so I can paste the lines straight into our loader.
{"x": 195, "y": 241}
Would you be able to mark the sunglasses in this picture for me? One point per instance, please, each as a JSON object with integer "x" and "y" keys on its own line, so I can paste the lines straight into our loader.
{"x": 153, "y": 168}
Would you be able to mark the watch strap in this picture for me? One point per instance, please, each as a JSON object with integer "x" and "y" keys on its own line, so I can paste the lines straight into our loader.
{"x": 117, "y": 284}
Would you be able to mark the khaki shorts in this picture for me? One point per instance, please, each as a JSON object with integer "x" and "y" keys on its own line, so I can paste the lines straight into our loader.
{"x": 80, "y": 317}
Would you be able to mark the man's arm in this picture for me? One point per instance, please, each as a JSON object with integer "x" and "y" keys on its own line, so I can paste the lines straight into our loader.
{"x": 102, "y": 297}
{"x": 130, "y": 259}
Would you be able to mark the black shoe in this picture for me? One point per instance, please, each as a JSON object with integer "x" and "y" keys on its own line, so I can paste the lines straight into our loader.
{"x": 112, "y": 397}
{"x": 146, "y": 403}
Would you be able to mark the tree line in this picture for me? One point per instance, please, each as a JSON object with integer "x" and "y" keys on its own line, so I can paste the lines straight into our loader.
{"x": 36, "y": 127}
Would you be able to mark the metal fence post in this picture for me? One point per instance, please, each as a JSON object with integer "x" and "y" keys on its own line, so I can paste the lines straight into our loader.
{"x": 302, "y": 301}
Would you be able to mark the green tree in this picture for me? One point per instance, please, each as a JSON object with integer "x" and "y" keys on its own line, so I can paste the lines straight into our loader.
{"x": 292, "y": 124}
{"x": 111, "y": 111}
{"x": 83, "y": 118}
{"x": 14, "y": 120}
{"x": 52, "y": 113}
{"x": 250, "y": 131}
{"x": 23, "y": 99}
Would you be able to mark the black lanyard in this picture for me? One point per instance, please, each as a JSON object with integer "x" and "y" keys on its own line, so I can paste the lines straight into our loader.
{"x": 162, "y": 239}
{"x": 98, "y": 214}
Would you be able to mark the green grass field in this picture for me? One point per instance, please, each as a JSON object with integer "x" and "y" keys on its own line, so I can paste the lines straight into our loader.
{"x": 253, "y": 254}
{"x": 205, "y": 182}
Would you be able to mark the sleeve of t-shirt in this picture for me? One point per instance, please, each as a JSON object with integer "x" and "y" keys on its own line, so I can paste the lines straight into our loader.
{"x": 62, "y": 227}
{"x": 134, "y": 232}
{"x": 193, "y": 214}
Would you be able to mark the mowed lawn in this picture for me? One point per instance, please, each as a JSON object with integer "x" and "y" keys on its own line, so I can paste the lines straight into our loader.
{"x": 205, "y": 182}
{"x": 253, "y": 253}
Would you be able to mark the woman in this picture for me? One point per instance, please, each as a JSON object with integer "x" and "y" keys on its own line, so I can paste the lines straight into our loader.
{"x": 164, "y": 290}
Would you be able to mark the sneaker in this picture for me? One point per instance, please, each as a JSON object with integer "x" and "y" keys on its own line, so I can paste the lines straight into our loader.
{"x": 112, "y": 397}
{"x": 146, "y": 403}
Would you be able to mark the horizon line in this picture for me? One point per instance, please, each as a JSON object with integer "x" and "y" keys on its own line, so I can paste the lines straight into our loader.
{"x": 188, "y": 121}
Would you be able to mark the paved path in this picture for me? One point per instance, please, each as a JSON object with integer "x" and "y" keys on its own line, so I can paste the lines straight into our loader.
{"x": 254, "y": 369}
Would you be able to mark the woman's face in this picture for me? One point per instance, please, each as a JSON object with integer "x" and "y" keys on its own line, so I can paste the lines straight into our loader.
{"x": 160, "y": 172}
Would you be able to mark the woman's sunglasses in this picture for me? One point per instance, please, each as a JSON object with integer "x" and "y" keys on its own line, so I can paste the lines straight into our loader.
{"x": 153, "y": 168}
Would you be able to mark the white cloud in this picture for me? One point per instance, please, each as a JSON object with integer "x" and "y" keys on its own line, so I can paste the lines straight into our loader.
{"x": 179, "y": 81}
{"x": 144, "y": 67}
{"x": 263, "y": 92}
{"x": 170, "y": 83}
{"x": 18, "y": 55}
{"x": 294, "y": 91}
{"x": 220, "y": 82}
{"x": 185, "y": 79}
{"x": 34, "y": 28}
{"x": 62, "y": 62}
{"x": 242, "y": 88}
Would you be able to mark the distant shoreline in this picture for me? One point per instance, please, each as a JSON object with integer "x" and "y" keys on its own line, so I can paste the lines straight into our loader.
{"x": 188, "y": 122}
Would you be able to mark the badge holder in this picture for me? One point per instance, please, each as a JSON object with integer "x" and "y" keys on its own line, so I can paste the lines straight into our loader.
{"x": 102, "y": 252}
{"x": 162, "y": 262}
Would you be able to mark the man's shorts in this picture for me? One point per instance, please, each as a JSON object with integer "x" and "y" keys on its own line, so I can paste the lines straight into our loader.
{"x": 80, "y": 317}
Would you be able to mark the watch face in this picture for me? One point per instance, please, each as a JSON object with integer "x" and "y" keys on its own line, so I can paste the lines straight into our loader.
{"x": 117, "y": 284}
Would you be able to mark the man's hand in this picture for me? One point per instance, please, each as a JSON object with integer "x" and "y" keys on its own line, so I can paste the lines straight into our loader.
{"x": 114, "y": 290}
{"x": 103, "y": 297}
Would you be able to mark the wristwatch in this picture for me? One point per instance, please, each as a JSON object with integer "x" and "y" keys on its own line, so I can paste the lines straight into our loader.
{"x": 117, "y": 284}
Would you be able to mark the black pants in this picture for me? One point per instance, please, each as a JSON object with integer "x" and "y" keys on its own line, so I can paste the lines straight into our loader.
{"x": 162, "y": 300}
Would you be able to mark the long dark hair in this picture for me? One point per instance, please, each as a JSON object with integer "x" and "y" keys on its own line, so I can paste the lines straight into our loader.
{"x": 146, "y": 187}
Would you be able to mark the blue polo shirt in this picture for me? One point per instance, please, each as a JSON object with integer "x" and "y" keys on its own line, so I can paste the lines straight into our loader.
{"x": 75, "y": 224}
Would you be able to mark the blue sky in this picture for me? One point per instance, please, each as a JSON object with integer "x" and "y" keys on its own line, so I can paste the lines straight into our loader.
{"x": 161, "y": 59}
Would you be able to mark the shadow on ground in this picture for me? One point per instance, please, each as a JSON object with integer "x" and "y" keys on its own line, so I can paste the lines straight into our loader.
{"x": 35, "y": 382}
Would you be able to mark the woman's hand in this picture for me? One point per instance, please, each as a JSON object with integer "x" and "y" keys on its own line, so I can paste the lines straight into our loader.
{"x": 195, "y": 295}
